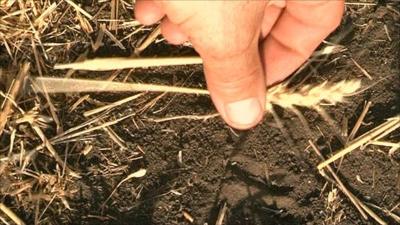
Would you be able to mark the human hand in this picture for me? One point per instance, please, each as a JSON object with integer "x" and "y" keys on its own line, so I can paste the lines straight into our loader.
{"x": 245, "y": 45}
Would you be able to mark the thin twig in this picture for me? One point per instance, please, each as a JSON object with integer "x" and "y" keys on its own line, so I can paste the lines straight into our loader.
{"x": 364, "y": 71}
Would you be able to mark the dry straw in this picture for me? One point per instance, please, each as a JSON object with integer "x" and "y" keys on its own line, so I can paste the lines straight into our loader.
{"x": 373, "y": 135}
{"x": 308, "y": 96}
{"x": 11, "y": 214}
{"x": 115, "y": 63}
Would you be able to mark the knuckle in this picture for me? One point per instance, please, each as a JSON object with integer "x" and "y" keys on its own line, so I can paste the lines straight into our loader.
{"x": 225, "y": 46}
{"x": 234, "y": 85}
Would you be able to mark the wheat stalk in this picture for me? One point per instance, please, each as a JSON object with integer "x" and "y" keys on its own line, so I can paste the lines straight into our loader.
{"x": 118, "y": 63}
{"x": 308, "y": 96}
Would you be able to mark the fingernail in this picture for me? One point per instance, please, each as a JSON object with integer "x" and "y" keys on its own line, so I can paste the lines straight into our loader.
{"x": 244, "y": 112}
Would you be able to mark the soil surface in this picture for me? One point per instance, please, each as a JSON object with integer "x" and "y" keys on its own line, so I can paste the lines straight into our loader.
{"x": 197, "y": 169}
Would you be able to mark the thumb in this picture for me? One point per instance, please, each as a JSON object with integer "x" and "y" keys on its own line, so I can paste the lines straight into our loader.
{"x": 236, "y": 84}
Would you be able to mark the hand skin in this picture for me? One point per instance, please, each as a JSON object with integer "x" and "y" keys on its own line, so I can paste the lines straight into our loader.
{"x": 245, "y": 45}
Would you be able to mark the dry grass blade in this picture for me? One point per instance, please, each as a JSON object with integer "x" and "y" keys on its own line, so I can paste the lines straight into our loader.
{"x": 114, "y": 14}
{"x": 393, "y": 149}
{"x": 71, "y": 132}
{"x": 78, "y": 102}
{"x": 188, "y": 117}
{"x": 137, "y": 174}
{"x": 374, "y": 134}
{"x": 221, "y": 214}
{"x": 364, "y": 71}
{"x": 11, "y": 214}
{"x": 354, "y": 199}
{"x": 14, "y": 90}
{"x": 114, "y": 137}
{"x": 105, "y": 64}
{"x": 361, "y": 3}
{"x": 112, "y": 105}
{"x": 79, "y": 9}
{"x": 112, "y": 37}
{"x": 359, "y": 121}
{"x": 60, "y": 85}
{"x": 387, "y": 212}
{"x": 40, "y": 21}
{"x": 385, "y": 143}
{"x": 150, "y": 39}
{"x": 339, "y": 183}
{"x": 53, "y": 152}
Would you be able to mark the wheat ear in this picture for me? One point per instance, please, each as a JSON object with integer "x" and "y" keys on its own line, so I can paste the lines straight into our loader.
{"x": 310, "y": 96}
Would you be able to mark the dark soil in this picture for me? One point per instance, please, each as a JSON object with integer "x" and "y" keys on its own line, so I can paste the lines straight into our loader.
{"x": 260, "y": 175}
